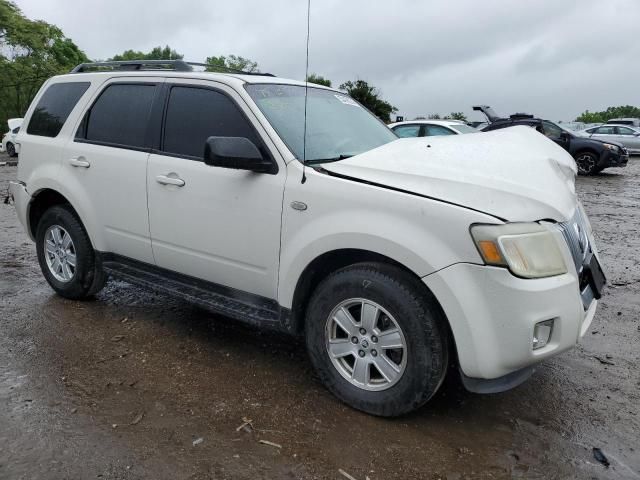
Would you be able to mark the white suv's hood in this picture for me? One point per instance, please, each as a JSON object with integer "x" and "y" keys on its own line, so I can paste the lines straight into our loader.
{"x": 516, "y": 173}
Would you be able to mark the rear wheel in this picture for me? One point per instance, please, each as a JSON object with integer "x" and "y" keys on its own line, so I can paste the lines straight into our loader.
{"x": 376, "y": 339}
{"x": 66, "y": 256}
{"x": 587, "y": 163}
{"x": 11, "y": 150}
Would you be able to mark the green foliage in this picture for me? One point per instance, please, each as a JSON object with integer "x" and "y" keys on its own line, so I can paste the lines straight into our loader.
{"x": 30, "y": 52}
{"x": 369, "y": 96}
{"x": 457, "y": 116}
{"x": 611, "y": 112}
{"x": 231, "y": 62}
{"x": 157, "y": 53}
{"x": 319, "y": 80}
{"x": 434, "y": 116}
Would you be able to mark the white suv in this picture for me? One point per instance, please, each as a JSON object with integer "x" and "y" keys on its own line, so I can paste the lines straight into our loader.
{"x": 394, "y": 258}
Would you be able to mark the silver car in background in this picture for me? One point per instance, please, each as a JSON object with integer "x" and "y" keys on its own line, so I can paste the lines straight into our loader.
{"x": 632, "y": 122}
{"x": 430, "y": 128}
{"x": 624, "y": 134}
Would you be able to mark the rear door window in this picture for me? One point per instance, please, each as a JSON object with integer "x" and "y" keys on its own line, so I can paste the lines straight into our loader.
{"x": 54, "y": 108}
{"x": 605, "y": 131}
{"x": 437, "y": 130}
{"x": 195, "y": 114}
{"x": 625, "y": 131}
{"x": 404, "y": 131}
{"x": 119, "y": 116}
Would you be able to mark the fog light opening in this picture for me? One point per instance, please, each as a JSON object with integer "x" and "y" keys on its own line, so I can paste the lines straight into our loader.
{"x": 542, "y": 334}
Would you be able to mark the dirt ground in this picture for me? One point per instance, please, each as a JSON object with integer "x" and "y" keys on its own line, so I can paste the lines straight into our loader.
{"x": 134, "y": 385}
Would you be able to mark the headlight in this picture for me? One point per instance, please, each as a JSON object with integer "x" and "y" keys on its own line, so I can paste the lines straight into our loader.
{"x": 527, "y": 249}
{"x": 613, "y": 148}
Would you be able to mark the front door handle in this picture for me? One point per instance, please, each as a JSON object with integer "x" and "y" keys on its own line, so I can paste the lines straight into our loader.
{"x": 165, "y": 180}
{"x": 79, "y": 162}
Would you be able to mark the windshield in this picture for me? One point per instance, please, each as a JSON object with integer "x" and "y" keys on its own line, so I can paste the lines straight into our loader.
{"x": 462, "y": 128}
{"x": 337, "y": 126}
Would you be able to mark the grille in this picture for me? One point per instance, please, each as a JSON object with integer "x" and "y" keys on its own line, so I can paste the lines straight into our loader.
{"x": 577, "y": 238}
{"x": 575, "y": 234}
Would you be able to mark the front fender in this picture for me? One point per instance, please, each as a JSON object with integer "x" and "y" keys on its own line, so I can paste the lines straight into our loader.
{"x": 423, "y": 235}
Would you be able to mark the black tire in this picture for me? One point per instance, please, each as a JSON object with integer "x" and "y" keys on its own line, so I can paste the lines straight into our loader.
{"x": 587, "y": 163}
{"x": 415, "y": 311}
{"x": 89, "y": 277}
{"x": 11, "y": 150}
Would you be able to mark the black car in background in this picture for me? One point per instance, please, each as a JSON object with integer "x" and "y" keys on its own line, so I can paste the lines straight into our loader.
{"x": 591, "y": 155}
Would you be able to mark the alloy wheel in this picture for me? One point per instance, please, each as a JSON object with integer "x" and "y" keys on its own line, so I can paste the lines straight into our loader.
{"x": 366, "y": 344}
{"x": 60, "y": 253}
{"x": 586, "y": 163}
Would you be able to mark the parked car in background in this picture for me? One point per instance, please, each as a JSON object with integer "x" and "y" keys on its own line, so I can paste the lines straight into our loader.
{"x": 591, "y": 155}
{"x": 9, "y": 139}
{"x": 627, "y": 136}
{"x": 430, "y": 128}
{"x": 634, "y": 122}
{"x": 578, "y": 127}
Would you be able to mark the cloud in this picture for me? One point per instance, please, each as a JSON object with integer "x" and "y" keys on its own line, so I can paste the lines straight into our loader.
{"x": 552, "y": 58}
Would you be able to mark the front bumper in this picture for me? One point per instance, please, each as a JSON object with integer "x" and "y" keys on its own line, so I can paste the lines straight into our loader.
{"x": 612, "y": 159}
{"x": 492, "y": 315}
{"x": 21, "y": 199}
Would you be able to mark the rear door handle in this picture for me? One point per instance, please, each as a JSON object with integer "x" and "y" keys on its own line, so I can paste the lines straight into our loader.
{"x": 165, "y": 180}
{"x": 79, "y": 162}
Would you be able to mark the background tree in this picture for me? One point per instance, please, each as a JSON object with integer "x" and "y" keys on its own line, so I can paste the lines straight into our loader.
{"x": 457, "y": 116}
{"x": 317, "y": 79}
{"x": 434, "y": 116}
{"x": 608, "y": 114}
{"x": 369, "y": 96}
{"x": 30, "y": 52}
{"x": 234, "y": 62}
{"x": 157, "y": 53}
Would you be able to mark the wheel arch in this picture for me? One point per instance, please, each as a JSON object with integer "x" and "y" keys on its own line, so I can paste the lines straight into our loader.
{"x": 328, "y": 262}
{"x": 41, "y": 201}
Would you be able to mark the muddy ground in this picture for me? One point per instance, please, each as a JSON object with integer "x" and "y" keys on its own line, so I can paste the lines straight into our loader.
{"x": 134, "y": 385}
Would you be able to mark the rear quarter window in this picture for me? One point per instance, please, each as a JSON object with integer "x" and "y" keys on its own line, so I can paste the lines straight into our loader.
{"x": 54, "y": 108}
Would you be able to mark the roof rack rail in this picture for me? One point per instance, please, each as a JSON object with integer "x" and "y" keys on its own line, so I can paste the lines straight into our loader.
{"x": 176, "y": 65}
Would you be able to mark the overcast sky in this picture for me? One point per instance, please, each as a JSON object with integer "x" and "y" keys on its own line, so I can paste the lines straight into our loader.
{"x": 554, "y": 58}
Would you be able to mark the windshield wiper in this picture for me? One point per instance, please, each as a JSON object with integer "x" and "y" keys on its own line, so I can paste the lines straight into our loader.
{"x": 317, "y": 161}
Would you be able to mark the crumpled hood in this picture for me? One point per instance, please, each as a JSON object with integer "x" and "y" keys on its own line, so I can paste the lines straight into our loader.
{"x": 515, "y": 173}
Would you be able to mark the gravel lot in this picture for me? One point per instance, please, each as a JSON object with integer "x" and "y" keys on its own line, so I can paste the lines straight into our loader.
{"x": 135, "y": 385}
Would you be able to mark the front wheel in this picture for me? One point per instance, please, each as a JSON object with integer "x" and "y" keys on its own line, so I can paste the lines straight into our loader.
{"x": 66, "y": 256}
{"x": 376, "y": 338}
{"x": 587, "y": 163}
{"x": 11, "y": 150}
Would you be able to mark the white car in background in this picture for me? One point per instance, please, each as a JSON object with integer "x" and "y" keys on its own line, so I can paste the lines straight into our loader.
{"x": 624, "y": 134}
{"x": 430, "y": 128}
{"x": 9, "y": 139}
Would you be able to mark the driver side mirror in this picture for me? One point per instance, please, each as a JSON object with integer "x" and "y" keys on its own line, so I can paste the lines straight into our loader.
{"x": 238, "y": 153}
{"x": 565, "y": 137}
